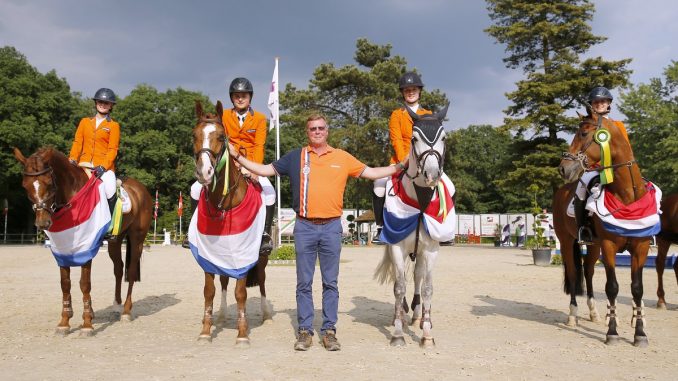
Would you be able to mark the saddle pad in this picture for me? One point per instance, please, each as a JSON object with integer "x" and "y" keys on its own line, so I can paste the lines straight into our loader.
{"x": 227, "y": 242}
{"x": 126, "y": 202}
{"x": 77, "y": 229}
{"x": 401, "y": 214}
{"x": 638, "y": 219}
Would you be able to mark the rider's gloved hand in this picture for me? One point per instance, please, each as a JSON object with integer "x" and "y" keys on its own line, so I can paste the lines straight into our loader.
{"x": 99, "y": 170}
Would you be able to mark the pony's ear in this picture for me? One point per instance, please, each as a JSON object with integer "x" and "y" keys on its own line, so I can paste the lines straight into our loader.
{"x": 413, "y": 114}
{"x": 220, "y": 110}
{"x": 440, "y": 115}
{"x": 19, "y": 156}
{"x": 198, "y": 109}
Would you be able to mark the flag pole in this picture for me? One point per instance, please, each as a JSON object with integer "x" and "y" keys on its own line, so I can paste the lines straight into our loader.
{"x": 277, "y": 147}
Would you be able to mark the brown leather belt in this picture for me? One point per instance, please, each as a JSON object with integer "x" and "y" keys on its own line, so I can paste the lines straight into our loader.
{"x": 318, "y": 221}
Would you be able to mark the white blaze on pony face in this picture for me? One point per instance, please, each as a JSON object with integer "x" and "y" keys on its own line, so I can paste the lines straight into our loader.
{"x": 203, "y": 166}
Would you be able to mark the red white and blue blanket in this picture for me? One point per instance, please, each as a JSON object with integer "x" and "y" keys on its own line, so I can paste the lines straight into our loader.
{"x": 77, "y": 229}
{"x": 227, "y": 243}
{"x": 402, "y": 212}
{"x": 638, "y": 219}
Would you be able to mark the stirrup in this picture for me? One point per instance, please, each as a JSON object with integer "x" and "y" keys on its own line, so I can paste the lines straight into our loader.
{"x": 584, "y": 236}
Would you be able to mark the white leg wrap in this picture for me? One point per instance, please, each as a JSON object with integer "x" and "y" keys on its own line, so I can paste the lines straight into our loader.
{"x": 638, "y": 312}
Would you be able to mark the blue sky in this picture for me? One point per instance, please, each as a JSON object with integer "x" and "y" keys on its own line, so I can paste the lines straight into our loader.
{"x": 202, "y": 45}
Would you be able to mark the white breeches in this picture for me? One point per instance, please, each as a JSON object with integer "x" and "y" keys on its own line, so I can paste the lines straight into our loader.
{"x": 108, "y": 178}
{"x": 583, "y": 183}
{"x": 269, "y": 191}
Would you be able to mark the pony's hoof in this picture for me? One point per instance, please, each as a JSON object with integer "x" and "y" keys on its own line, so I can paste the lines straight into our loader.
{"x": 427, "y": 342}
{"x": 205, "y": 338}
{"x": 640, "y": 341}
{"x": 415, "y": 322}
{"x": 571, "y": 321}
{"x": 661, "y": 306}
{"x": 86, "y": 332}
{"x": 397, "y": 341}
{"x": 61, "y": 331}
{"x": 126, "y": 318}
{"x": 242, "y": 342}
{"x": 595, "y": 318}
{"x": 268, "y": 320}
{"x": 611, "y": 339}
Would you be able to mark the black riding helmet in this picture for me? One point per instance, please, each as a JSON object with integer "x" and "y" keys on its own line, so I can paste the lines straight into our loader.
{"x": 241, "y": 85}
{"x": 105, "y": 95}
{"x": 410, "y": 79}
{"x": 599, "y": 93}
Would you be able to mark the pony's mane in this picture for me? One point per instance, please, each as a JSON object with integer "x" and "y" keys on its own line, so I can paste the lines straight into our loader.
{"x": 44, "y": 155}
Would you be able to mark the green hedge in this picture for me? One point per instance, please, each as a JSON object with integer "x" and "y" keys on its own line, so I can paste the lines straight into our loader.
{"x": 285, "y": 252}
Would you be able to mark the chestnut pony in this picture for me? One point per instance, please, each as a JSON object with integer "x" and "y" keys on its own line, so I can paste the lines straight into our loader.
{"x": 628, "y": 186}
{"x": 50, "y": 182}
{"x": 209, "y": 145}
{"x": 665, "y": 238}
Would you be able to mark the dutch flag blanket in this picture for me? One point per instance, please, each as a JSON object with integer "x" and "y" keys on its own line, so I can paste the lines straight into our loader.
{"x": 77, "y": 229}
{"x": 638, "y": 219}
{"x": 227, "y": 242}
{"x": 401, "y": 213}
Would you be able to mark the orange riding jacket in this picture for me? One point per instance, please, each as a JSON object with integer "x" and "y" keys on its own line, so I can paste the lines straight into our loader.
{"x": 98, "y": 145}
{"x": 400, "y": 130}
{"x": 251, "y": 137}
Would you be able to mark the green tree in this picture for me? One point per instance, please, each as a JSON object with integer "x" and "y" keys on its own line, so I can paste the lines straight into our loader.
{"x": 477, "y": 157}
{"x": 652, "y": 115}
{"x": 546, "y": 39}
{"x": 35, "y": 110}
{"x": 358, "y": 100}
{"x": 156, "y": 145}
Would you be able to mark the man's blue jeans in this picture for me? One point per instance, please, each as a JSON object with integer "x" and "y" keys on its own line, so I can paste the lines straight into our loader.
{"x": 323, "y": 242}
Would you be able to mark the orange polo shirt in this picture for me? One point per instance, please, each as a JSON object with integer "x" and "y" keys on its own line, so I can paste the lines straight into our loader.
{"x": 251, "y": 137}
{"x": 400, "y": 130}
{"x": 97, "y": 145}
{"x": 318, "y": 181}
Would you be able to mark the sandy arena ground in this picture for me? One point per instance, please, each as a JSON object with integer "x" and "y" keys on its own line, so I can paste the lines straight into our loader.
{"x": 495, "y": 315}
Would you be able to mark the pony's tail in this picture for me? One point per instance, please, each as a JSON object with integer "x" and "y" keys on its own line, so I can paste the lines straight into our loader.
{"x": 253, "y": 276}
{"x": 578, "y": 271}
{"x": 384, "y": 271}
{"x": 128, "y": 261}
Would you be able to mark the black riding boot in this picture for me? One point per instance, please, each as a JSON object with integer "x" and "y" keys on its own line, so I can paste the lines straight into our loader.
{"x": 378, "y": 209}
{"x": 584, "y": 234}
{"x": 111, "y": 206}
{"x": 266, "y": 239}
{"x": 194, "y": 206}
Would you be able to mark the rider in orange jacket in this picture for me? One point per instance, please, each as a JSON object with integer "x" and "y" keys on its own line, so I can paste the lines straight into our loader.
{"x": 400, "y": 131}
{"x": 96, "y": 142}
{"x": 599, "y": 101}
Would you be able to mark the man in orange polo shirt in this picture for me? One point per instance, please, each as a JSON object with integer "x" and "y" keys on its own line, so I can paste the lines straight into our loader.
{"x": 400, "y": 130}
{"x": 318, "y": 175}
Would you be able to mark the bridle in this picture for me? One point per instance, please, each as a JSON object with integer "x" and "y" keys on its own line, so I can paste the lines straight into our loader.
{"x": 219, "y": 160}
{"x": 583, "y": 160}
{"x": 42, "y": 205}
{"x": 421, "y": 158}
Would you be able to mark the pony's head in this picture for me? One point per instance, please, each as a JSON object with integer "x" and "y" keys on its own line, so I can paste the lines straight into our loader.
{"x": 209, "y": 142}
{"x": 585, "y": 149}
{"x": 428, "y": 145}
{"x": 40, "y": 184}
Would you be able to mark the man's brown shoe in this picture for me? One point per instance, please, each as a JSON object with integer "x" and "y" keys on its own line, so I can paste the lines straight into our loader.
{"x": 330, "y": 341}
{"x": 304, "y": 341}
